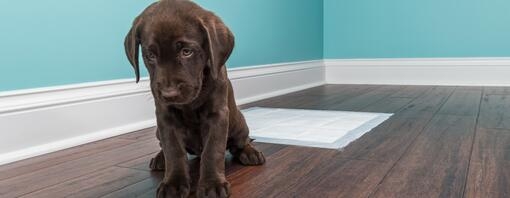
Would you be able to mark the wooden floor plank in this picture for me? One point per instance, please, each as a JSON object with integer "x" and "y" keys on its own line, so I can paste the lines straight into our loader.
{"x": 53, "y": 159}
{"x": 332, "y": 90}
{"x": 488, "y": 179}
{"x": 489, "y": 172}
{"x": 331, "y": 100}
{"x": 282, "y": 170}
{"x": 32, "y": 181}
{"x": 492, "y": 144}
{"x": 428, "y": 103}
{"x": 398, "y": 100}
{"x": 361, "y": 101}
{"x": 497, "y": 90}
{"x": 436, "y": 163}
{"x": 340, "y": 177}
{"x": 495, "y": 112}
{"x": 463, "y": 103}
{"x": 141, "y": 163}
{"x": 489, "y": 168}
{"x": 388, "y": 141}
{"x": 144, "y": 188}
{"x": 144, "y": 134}
{"x": 95, "y": 184}
{"x": 388, "y": 105}
{"x": 410, "y": 91}
{"x": 316, "y": 100}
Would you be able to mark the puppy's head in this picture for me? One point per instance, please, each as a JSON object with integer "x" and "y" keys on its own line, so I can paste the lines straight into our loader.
{"x": 182, "y": 46}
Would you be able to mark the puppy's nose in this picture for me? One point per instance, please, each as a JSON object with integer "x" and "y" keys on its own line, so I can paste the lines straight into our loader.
{"x": 170, "y": 92}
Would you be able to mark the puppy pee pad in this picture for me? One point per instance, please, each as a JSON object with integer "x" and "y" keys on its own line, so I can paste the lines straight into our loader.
{"x": 314, "y": 128}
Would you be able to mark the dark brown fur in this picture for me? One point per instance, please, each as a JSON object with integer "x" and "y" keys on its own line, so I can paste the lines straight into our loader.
{"x": 185, "y": 48}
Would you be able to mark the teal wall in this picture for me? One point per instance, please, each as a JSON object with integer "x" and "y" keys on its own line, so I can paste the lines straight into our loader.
{"x": 272, "y": 31}
{"x": 56, "y": 42}
{"x": 427, "y": 28}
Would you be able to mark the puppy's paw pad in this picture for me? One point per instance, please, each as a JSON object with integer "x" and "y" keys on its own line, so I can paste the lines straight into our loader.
{"x": 157, "y": 164}
{"x": 173, "y": 190}
{"x": 251, "y": 157}
{"x": 215, "y": 190}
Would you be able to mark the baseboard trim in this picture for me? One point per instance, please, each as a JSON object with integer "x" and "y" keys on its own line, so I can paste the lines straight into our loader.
{"x": 71, "y": 142}
{"x": 419, "y": 71}
{"x": 110, "y": 108}
{"x": 257, "y": 83}
{"x": 278, "y": 93}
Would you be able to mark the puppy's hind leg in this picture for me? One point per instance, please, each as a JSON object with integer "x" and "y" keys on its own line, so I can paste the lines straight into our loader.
{"x": 158, "y": 162}
{"x": 249, "y": 155}
{"x": 241, "y": 145}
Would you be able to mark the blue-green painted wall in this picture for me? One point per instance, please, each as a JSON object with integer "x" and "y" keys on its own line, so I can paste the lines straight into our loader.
{"x": 427, "y": 28}
{"x": 272, "y": 31}
{"x": 56, "y": 42}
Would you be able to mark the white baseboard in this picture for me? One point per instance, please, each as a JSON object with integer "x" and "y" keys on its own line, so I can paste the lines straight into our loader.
{"x": 420, "y": 71}
{"x": 38, "y": 121}
{"x": 261, "y": 82}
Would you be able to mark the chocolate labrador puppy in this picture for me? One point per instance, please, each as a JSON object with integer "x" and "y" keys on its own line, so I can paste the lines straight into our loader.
{"x": 184, "y": 48}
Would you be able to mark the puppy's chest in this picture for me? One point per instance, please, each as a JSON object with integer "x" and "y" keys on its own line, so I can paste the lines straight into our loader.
{"x": 193, "y": 137}
{"x": 193, "y": 142}
{"x": 193, "y": 121}
{"x": 190, "y": 119}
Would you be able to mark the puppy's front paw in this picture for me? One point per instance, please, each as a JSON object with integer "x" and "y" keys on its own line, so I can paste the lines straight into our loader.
{"x": 220, "y": 189}
{"x": 158, "y": 162}
{"x": 171, "y": 190}
{"x": 251, "y": 156}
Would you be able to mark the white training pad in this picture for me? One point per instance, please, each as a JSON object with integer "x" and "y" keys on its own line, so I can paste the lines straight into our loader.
{"x": 315, "y": 128}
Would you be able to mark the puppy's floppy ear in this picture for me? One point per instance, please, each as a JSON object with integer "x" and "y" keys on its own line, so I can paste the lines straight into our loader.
{"x": 132, "y": 46}
{"x": 220, "y": 43}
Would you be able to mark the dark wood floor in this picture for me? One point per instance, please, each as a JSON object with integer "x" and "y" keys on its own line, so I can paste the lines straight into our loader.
{"x": 441, "y": 142}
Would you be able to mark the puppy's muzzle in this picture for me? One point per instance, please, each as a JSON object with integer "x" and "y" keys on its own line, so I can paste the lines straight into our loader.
{"x": 169, "y": 93}
{"x": 181, "y": 93}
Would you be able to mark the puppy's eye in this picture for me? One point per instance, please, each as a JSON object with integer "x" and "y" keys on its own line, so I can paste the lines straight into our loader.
{"x": 186, "y": 52}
